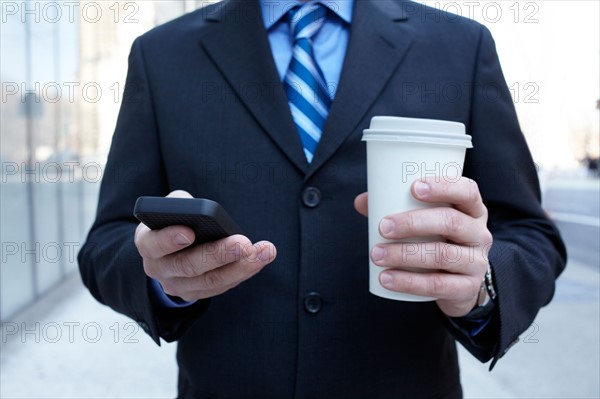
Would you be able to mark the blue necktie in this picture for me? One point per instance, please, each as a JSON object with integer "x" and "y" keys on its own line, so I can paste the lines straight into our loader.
{"x": 304, "y": 82}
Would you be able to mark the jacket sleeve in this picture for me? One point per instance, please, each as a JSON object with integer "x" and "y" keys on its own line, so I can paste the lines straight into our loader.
{"x": 109, "y": 262}
{"x": 527, "y": 254}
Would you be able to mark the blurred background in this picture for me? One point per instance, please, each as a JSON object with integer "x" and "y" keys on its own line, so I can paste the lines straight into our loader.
{"x": 62, "y": 71}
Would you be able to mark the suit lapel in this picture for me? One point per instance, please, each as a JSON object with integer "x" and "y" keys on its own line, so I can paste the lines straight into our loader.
{"x": 376, "y": 46}
{"x": 239, "y": 46}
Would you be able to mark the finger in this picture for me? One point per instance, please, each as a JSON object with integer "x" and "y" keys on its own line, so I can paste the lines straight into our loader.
{"x": 361, "y": 204}
{"x": 154, "y": 244}
{"x": 463, "y": 194}
{"x": 207, "y": 256}
{"x": 429, "y": 256}
{"x": 180, "y": 194}
{"x": 226, "y": 277}
{"x": 449, "y": 223}
{"x": 444, "y": 286}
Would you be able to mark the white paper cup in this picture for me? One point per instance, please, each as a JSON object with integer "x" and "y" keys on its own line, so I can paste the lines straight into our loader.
{"x": 400, "y": 151}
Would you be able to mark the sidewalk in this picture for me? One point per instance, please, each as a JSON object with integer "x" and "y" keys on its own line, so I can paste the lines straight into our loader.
{"x": 73, "y": 347}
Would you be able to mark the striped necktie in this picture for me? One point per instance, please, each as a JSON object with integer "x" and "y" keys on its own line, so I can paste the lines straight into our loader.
{"x": 304, "y": 82}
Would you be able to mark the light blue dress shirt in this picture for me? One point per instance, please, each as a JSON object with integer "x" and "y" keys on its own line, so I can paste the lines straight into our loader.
{"x": 329, "y": 46}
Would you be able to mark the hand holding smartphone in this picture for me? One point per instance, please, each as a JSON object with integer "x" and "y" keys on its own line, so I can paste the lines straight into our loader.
{"x": 231, "y": 263}
{"x": 207, "y": 218}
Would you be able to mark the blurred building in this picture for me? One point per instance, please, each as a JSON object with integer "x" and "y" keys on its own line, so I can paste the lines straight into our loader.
{"x": 62, "y": 68}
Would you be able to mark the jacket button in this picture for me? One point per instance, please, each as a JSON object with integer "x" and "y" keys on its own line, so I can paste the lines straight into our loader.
{"x": 311, "y": 197}
{"x": 313, "y": 303}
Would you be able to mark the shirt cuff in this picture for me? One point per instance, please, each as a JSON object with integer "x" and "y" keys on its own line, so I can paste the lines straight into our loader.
{"x": 477, "y": 326}
{"x": 161, "y": 299}
{"x": 476, "y": 321}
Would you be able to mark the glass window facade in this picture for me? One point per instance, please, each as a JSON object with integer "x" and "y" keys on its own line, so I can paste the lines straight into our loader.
{"x": 62, "y": 70}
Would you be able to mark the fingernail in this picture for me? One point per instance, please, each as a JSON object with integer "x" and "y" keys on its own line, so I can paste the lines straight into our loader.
{"x": 387, "y": 226}
{"x": 264, "y": 253}
{"x": 422, "y": 188}
{"x": 180, "y": 239}
{"x": 378, "y": 253}
{"x": 386, "y": 279}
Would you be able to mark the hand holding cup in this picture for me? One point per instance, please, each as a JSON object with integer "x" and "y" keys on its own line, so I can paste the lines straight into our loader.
{"x": 427, "y": 224}
{"x": 450, "y": 269}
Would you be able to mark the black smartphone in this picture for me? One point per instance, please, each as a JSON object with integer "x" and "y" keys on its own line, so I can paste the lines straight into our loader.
{"x": 207, "y": 218}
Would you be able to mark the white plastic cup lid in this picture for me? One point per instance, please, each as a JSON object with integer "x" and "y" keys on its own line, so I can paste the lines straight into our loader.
{"x": 415, "y": 130}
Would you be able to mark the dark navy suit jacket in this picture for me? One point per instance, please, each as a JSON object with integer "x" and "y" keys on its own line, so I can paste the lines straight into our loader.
{"x": 204, "y": 111}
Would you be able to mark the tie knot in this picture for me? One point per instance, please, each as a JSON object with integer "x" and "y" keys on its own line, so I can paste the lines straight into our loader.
{"x": 305, "y": 21}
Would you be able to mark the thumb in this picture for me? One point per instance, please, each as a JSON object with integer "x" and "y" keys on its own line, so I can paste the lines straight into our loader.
{"x": 361, "y": 204}
{"x": 179, "y": 194}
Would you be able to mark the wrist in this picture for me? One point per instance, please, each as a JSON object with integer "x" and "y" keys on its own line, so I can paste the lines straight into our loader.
{"x": 487, "y": 292}
{"x": 486, "y": 298}
{"x": 160, "y": 298}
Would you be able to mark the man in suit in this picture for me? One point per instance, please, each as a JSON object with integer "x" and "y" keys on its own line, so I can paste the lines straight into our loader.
{"x": 205, "y": 111}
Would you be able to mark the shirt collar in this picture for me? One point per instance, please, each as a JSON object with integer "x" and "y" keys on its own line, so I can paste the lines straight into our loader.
{"x": 273, "y": 10}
